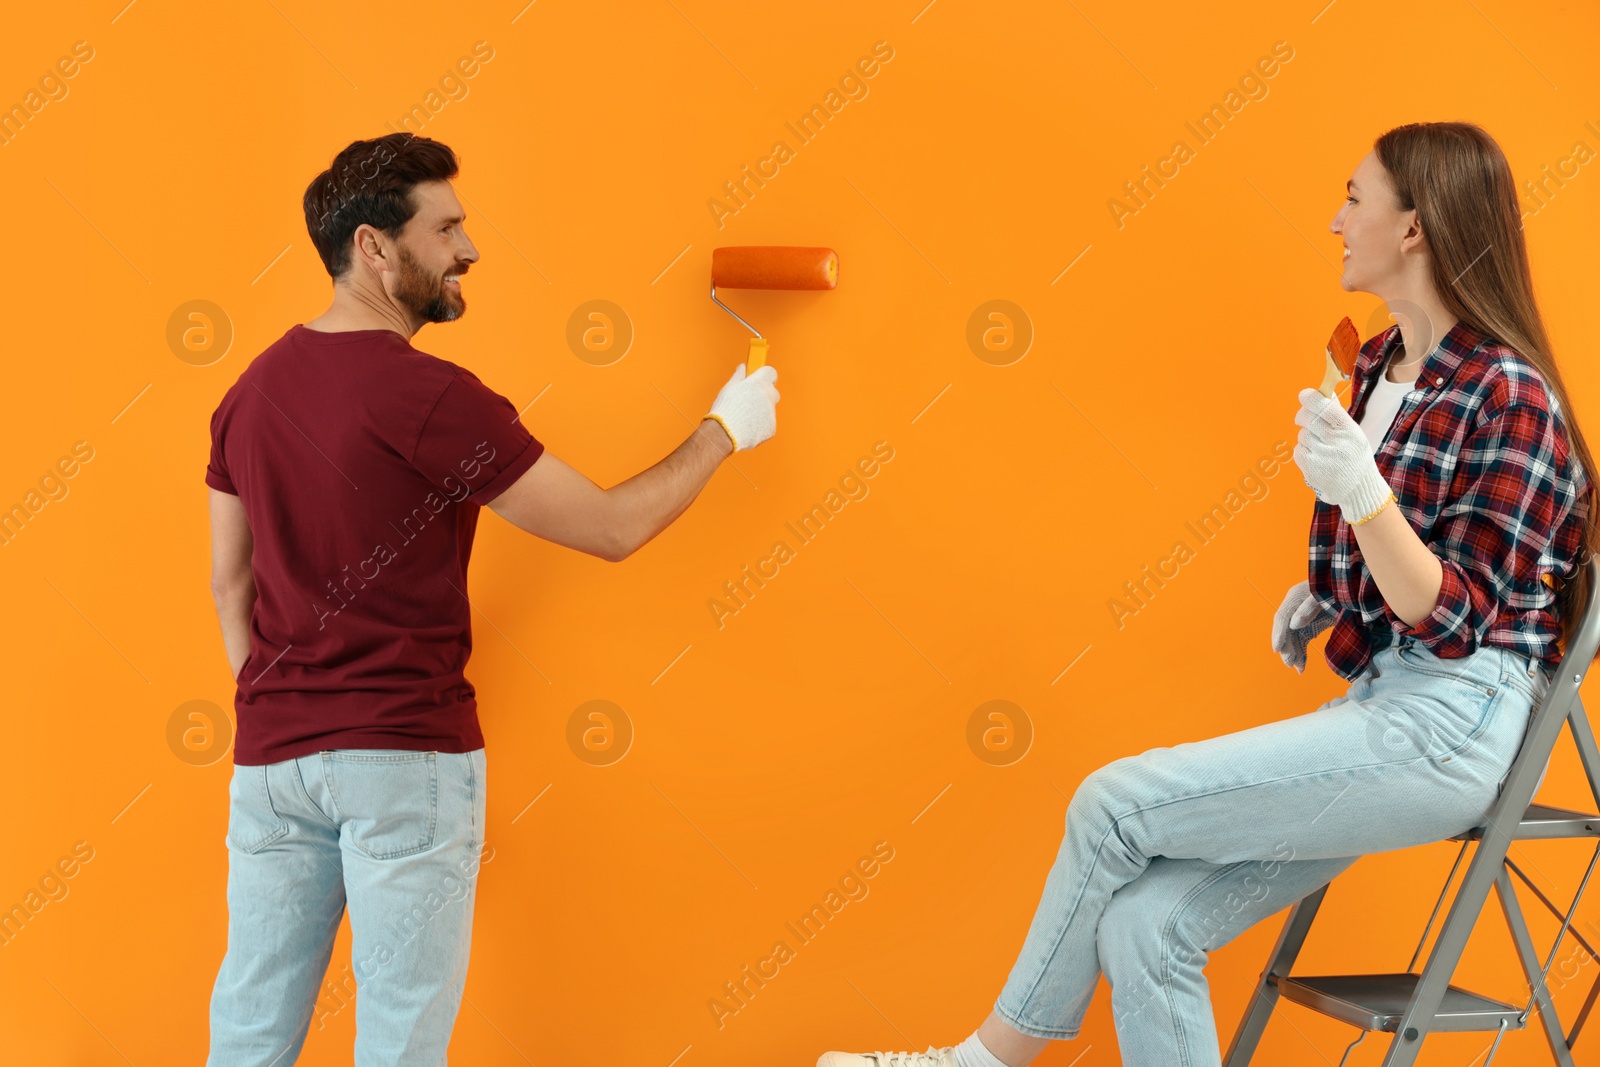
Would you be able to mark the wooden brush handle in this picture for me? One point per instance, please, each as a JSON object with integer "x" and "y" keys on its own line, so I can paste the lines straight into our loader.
{"x": 1331, "y": 379}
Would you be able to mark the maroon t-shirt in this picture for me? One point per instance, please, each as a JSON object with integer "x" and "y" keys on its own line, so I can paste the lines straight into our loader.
{"x": 361, "y": 464}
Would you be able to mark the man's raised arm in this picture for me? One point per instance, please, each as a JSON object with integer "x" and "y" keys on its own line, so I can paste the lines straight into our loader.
{"x": 555, "y": 501}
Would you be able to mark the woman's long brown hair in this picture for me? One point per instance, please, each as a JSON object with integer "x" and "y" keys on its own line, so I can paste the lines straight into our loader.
{"x": 1457, "y": 179}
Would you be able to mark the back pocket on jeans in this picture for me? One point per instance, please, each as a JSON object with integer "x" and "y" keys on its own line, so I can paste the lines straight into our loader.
{"x": 387, "y": 797}
{"x": 253, "y": 823}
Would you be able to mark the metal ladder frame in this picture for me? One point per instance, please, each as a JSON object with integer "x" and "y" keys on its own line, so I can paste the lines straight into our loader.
{"x": 1513, "y": 816}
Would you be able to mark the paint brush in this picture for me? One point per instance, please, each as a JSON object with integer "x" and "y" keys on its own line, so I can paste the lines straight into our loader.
{"x": 1343, "y": 348}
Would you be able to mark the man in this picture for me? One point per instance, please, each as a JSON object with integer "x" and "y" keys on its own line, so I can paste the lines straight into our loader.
{"x": 347, "y": 470}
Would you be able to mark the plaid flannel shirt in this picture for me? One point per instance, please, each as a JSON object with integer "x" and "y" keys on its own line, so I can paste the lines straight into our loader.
{"x": 1479, "y": 463}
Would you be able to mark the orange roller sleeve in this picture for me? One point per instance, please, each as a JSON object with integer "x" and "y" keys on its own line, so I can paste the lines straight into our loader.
{"x": 774, "y": 267}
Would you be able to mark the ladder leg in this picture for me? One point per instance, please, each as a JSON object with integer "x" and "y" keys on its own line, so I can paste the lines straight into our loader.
{"x": 1583, "y": 737}
{"x": 1488, "y": 862}
{"x": 1426, "y": 999}
{"x": 1530, "y": 966}
{"x": 1265, "y": 994}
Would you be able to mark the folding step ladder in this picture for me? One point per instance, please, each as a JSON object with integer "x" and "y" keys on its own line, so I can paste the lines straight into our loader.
{"x": 1412, "y": 1005}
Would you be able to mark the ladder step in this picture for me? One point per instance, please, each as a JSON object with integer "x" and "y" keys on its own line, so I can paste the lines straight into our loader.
{"x": 1378, "y": 1001}
{"x": 1542, "y": 820}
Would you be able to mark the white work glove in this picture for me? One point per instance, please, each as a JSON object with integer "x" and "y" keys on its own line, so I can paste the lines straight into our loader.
{"x": 1299, "y": 619}
{"x": 1336, "y": 458}
{"x": 747, "y": 407}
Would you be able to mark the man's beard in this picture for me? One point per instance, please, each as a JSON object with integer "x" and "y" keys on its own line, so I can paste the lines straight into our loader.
{"x": 425, "y": 296}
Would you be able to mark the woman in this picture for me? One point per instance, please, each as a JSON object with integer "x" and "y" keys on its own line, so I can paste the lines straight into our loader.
{"x": 1453, "y": 511}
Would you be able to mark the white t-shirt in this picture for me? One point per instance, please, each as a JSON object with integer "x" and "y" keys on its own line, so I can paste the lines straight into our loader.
{"x": 1383, "y": 404}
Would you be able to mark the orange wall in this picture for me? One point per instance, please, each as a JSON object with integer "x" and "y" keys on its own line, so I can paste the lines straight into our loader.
{"x": 833, "y": 709}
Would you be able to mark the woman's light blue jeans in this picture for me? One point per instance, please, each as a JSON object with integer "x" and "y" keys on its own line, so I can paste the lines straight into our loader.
{"x": 1174, "y": 852}
{"x": 398, "y": 836}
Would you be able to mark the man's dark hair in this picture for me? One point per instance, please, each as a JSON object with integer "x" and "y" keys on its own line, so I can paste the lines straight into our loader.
{"x": 370, "y": 182}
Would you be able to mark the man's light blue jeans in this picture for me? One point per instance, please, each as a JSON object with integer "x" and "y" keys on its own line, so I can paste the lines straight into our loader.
{"x": 1174, "y": 852}
{"x": 398, "y": 836}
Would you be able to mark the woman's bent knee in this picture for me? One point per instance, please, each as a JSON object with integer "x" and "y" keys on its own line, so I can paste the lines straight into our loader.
{"x": 1104, "y": 791}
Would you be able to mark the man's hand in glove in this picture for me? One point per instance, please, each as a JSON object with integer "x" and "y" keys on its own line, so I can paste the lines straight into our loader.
{"x": 747, "y": 407}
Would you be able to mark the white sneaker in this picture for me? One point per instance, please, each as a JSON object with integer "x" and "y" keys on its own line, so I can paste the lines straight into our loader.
{"x": 934, "y": 1057}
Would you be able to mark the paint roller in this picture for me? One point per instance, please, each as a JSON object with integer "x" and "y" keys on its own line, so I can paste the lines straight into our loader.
{"x": 769, "y": 267}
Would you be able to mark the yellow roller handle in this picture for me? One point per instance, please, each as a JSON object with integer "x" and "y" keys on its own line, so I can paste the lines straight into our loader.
{"x": 758, "y": 355}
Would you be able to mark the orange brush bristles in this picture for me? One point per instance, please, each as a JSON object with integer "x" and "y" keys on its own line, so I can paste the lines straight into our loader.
{"x": 774, "y": 267}
{"x": 1345, "y": 344}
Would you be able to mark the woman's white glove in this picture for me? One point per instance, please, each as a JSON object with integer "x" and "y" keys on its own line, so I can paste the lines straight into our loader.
{"x": 1336, "y": 458}
{"x": 747, "y": 407}
{"x": 1299, "y": 619}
